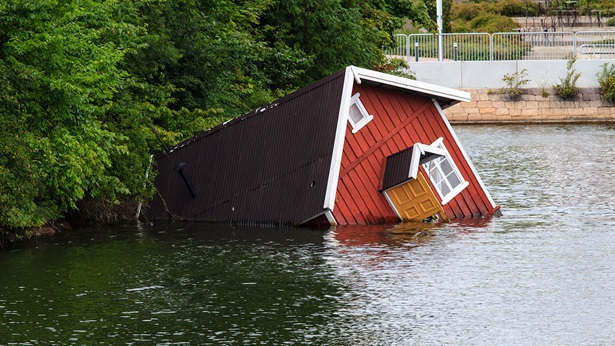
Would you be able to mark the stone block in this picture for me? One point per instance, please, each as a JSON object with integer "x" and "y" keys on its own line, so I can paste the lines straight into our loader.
{"x": 531, "y": 105}
{"x": 483, "y": 97}
{"x": 474, "y": 116}
{"x": 497, "y": 97}
{"x": 520, "y": 104}
{"x": 515, "y": 112}
{"x": 457, "y": 117}
{"x": 484, "y": 104}
{"x": 488, "y": 110}
{"x": 577, "y": 112}
{"x": 556, "y": 116}
{"x": 498, "y": 104}
{"x": 502, "y": 111}
{"x": 546, "y": 112}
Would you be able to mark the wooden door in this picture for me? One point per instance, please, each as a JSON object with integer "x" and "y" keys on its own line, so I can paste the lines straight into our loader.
{"x": 414, "y": 200}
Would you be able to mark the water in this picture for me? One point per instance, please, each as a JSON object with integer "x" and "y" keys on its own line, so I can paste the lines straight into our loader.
{"x": 542, "y": 274}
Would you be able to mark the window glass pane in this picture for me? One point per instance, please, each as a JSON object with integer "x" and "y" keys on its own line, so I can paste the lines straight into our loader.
{"x": 355, "y": 114}
{"x": 446, "y": 166}
{"x": 454, "y": 180}
{"x": 436, "y": 176}
{"x": 444, "y": 189}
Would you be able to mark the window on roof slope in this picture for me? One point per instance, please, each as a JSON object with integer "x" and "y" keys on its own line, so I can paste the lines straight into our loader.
{"x": 444, "y": 175}
{"x": 358, "y": 116}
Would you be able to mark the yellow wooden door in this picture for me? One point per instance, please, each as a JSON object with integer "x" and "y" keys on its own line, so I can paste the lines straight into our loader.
{"x": 415, "y": 201}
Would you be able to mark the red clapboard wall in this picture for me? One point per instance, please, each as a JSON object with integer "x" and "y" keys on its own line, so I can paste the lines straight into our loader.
{"x": 400, "y": 120}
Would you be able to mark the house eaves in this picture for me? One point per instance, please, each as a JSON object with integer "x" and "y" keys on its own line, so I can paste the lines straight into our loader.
{"x": 444, "y": 95}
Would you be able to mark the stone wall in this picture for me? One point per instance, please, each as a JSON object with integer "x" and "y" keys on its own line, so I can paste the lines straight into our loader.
{"x": 488, "y": 106}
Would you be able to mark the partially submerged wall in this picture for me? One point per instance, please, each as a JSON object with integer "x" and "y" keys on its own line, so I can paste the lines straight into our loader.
{"x": 490, "y": 106}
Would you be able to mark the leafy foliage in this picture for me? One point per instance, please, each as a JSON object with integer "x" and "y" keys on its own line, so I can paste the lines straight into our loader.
{"x": 567, "y": 87}
{"x": 91, "y": 88}
{"x": 484, "y": 16}
{"x": 58, "y": 80}
{"x": 514, "y": 82}
{"x": 606, "y": 78}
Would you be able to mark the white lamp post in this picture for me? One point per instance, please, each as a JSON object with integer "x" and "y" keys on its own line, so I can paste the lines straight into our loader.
{"x": 439, "y": 22}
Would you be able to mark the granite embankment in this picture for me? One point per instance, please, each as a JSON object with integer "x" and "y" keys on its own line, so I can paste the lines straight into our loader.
{"x": 491, "y": 107}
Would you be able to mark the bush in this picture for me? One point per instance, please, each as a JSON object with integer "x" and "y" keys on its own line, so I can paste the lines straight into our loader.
{"x": 514, "y": 8}
{"x": 567, "y": 87}
{"x": 492, "y": 23}
{"x": 482, "y": 17}
{"x": 514, "y": 82}
{"x": 606, "y": 78}
{"x": 467, "y": 12}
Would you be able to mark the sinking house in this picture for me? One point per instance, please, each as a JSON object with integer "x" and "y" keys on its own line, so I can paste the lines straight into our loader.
{"x": 357, "y": 147}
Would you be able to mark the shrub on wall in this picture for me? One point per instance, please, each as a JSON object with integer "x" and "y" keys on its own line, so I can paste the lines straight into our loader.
{"x": 514, "y": 83}
{"x": 606, "y": 78}
{"x": 567, "y": 87}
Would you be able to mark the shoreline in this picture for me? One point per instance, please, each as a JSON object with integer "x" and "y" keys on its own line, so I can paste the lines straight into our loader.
{"x": 532, "y": 106}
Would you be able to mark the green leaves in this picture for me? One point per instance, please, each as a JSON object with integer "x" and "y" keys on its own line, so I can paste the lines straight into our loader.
{"x": 606, "y": 79}
{"x": 89, "y": 89}
{"x": 58, "y": 81}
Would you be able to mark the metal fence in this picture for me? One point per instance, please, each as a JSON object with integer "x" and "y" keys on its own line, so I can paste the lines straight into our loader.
{"x": 506, "y": 46}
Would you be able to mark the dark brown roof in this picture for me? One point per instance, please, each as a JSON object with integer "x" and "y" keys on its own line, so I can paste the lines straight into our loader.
{"x": 269, "y": 166}
{"x": 398, "y": 168}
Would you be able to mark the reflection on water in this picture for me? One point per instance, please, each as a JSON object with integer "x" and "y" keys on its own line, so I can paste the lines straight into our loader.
{"x": 542, "y": 274}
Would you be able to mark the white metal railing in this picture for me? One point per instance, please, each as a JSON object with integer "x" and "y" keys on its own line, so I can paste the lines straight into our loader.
{"x": 596, "y": 45}
{"x": 532, "y": 46}
{"x": 506, "y": 46}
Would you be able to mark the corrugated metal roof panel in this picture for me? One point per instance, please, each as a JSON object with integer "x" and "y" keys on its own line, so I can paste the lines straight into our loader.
{"x": 269, "y": 166}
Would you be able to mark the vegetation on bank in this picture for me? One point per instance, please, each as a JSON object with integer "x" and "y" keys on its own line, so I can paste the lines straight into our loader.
{"x": 91, "y": 88}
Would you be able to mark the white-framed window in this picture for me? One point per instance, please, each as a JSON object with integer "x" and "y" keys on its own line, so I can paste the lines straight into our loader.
{"x": 357, "y": 114}
{"x": 445, "y": 175}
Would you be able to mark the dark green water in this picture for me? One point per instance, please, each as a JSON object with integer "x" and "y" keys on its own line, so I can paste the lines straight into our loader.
{"x": 542, "y": 274}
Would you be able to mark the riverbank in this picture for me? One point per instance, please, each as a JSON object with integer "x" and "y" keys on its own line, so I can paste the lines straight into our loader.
{"x": 488, "y": 106}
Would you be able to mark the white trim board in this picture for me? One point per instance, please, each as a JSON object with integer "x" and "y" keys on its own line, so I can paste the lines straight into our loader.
{"x": 465, "y": 155}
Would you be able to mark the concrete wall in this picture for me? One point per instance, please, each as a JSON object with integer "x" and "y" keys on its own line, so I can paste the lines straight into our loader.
{"x": 489, "y": 74}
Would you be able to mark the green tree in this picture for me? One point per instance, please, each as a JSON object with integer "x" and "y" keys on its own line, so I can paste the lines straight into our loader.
{"x": 333, "y": 34}
{"x": 91, "y": 88}
{"x": 58, "y": 79}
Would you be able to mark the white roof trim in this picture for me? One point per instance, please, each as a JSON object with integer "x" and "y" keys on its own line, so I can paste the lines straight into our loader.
{"x": 354, "y": 74}
{"x": 465, "y": 155}
{"x": 409, "y": 84}
{"x": 420, "y": 149}
{"x": 340, "y": 135}
{"x": 331, "y": 218}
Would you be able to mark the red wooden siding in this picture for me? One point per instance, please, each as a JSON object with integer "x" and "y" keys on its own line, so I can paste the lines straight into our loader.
{"x": 400, "y": 120}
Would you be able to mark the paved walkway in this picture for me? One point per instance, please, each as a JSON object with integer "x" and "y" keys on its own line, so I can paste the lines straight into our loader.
{"x": 563, "y": 23}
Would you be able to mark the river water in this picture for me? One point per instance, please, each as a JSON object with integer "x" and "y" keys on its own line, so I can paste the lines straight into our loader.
{"x": 541, "y": 274}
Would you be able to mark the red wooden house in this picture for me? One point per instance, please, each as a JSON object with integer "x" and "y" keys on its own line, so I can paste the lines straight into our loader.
{"x": 358, "y": 147}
